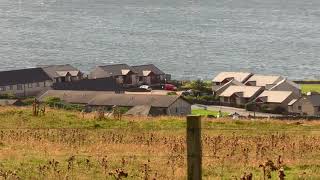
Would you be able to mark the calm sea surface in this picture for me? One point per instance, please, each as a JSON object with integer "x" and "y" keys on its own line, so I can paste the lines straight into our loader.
{"x": 188, "y": 38}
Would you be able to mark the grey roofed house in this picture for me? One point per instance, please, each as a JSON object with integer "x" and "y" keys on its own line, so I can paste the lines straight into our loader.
{"x": 130, "y": 100}
{"x": 306, "y": 105}
{"x": 143, "y": 110}
{"x": 267, "y": 81}
{"x": 144, "y": 70}
{"x": 23, "y": 76}
{"x": 287, "y": 85}
{"x": 243, "y": 91}
{"x": 159, "y": 104}
{"x": 274, "y": 96}
{"x": 61, "y": 71}
{"x": 217, "y": 90}
{"x": 73, "y": 97}
{"x": 102, "y": 84}
{"x": 225, "y": 77}
{"x": 10, "y": 102}
{"x": 112, "y": 70}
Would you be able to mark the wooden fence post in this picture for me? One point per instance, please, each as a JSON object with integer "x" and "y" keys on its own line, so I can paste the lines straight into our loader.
{"x": 194, "y": 150}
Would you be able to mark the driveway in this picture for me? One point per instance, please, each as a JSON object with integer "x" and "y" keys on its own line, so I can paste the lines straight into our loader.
{"x": 230, "y": 110}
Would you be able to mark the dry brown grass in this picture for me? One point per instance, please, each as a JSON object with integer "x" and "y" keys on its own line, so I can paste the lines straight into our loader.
{"x": 152, "y": 148}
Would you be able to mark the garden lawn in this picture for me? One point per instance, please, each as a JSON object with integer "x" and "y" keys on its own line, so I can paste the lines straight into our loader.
{"x": 310, "y": 88}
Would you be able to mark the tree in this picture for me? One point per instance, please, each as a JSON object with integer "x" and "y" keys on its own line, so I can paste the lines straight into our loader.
{"x": 198, "y": 85}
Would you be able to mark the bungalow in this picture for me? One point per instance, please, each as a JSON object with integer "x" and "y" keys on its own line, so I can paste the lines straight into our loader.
{"x": 265, "y": 81}
{"x": 72, "y": 97}
{"x": 275, "y": 100}
{"x": 287, "y": 85}
{"x": 308, "y": 105}
{"x": 101, "y": 84}
{"x": 224, "y": 78}
{"x": 10, "y": 102}
{"x": 24, "y": 82}
{"x": 124, "y": 74}
{"x": 148, "y": 104}
{"x": 62, "y": 73}
{"x": 219, "y": 89}
{"x": 239, "y": 95}
{"x": 139, "y": 104}
{"x": 149, "y": 74}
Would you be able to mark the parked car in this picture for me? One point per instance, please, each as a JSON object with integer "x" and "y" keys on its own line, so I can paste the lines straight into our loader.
{"x": 170, "y": 87}
{"x": 145, "y": 87}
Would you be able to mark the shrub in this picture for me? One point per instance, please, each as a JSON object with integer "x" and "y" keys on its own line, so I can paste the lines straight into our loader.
{"x": 8, "y": 96}
{"x": 171, "y": 93}
{"x": 251, "y": 106}
{"x": 279, "y": 110}
{"x": 58, "y": 103}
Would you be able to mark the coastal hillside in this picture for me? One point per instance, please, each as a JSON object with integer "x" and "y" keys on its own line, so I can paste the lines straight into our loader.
{"x": 72, "y": 145}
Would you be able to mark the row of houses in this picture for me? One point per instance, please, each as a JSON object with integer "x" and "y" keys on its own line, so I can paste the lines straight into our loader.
{"x": 32, "y": 81}
{"x": 268, "y": 92}
{"x": 138, "y": 104}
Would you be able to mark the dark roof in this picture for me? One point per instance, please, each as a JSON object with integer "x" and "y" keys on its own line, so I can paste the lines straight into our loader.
{"x": 148, "y": 67}
{"x": 130, "y": 100}
{"x": 102, "y": 84}
{"x": 6, "y": 102}
{"x": 23, "y": 76}
{"x": 74, "y": 97}
{"x": 105, "y": 98}
{"x": 52, "y": 70}
{"x": 116, "y": 69}
{"x": 314, "y": 99}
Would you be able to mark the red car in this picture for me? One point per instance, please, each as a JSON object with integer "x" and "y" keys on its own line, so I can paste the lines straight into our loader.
{"x": 170, "y": 87}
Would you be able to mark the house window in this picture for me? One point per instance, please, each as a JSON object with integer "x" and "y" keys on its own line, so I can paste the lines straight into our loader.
{"x": 37, "y": 84}
{"x": 177, "y": 110}
{"x": 2, "y": 88}
{"x": 140, "y": 78}
{"x": 30, "y": 85}
{"x": 225, "y": 99}
{"x": 19, "y": 87}
{"x": 44, "y": 84}
{"x": 299, "y": 108}
{"x": 11, "y": 87}
{"x": 319, "y": 108}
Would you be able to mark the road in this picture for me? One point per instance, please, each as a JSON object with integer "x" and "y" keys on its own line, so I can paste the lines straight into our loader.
{"x": 230, "y": 110}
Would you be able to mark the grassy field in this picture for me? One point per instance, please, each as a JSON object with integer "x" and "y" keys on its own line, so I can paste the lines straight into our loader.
{"x": 68, "y": 145}
{"x": 202, "y": 112}
{"x": 310, "y": 87}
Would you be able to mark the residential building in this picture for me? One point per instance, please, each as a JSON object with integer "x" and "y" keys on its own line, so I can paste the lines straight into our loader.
{"x": 149, "y": 74}
{"x": 10, "y": 102}
{"x": 287, "y": 85}
{"x": 217, "y": 90}
{"x": 62, "y": 73}
{"x": 123, "y": 73}
{"x": 139, "y": 104}
{"x": 148, "y": 104}
{"x": 275, "y": 100}
{"x": 308, "y": 105}
{"x": 24, "y": 82}
{"x": 223, "y": 78}
{"x": 239, "y": 95}
{"x": 265, "y": 81}
{"x": 102, "y": 84}
{"x": 72, "y": 97}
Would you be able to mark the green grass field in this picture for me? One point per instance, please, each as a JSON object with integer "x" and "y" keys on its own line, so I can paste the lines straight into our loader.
{"x": 69, "y": 145}
{"x": 310, "y": 87}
